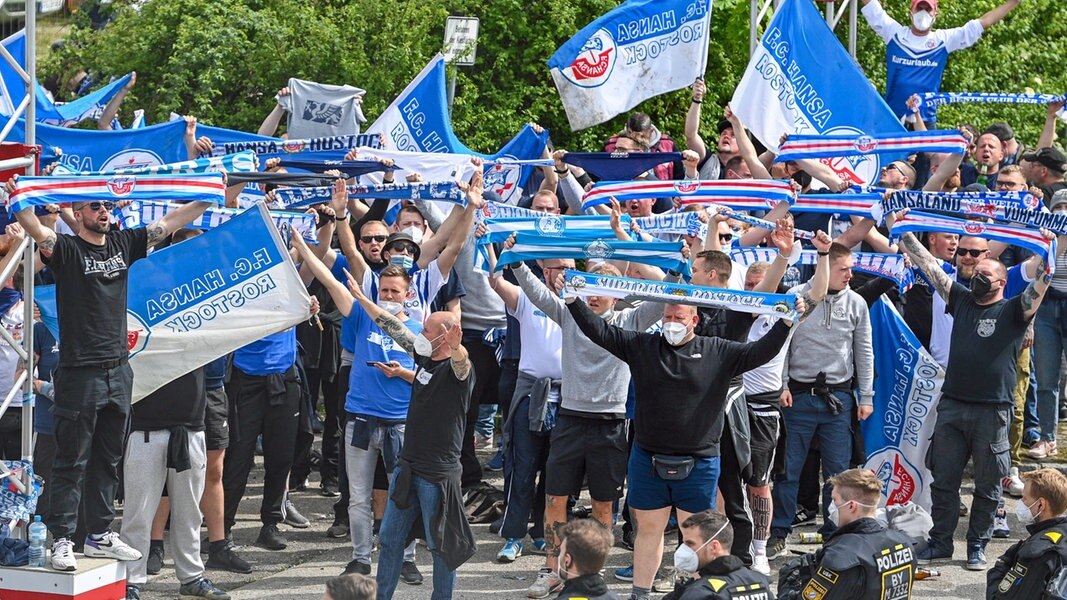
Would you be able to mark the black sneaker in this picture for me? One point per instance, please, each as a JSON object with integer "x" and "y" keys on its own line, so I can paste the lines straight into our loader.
{"x": 354, "y": 566}
{"x": 409, "y": 574}
{"x": 976, "y": 557}
{"x": 804, "y": 517}
{"x": 775, "y": 547}
{"x": 270, "y": 538}
{"x": 227, "y": 559}
{"x": 293, "y": 518}
{"x": 338, "y": 530}
{"x": 202, "y": 588}
{"x": 133, "y": 592}
{"x": 154, "y": 564}
{"x": 328, "y": 488}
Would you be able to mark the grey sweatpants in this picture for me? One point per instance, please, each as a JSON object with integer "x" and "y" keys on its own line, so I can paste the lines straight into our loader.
{"x": 144, "y": 473}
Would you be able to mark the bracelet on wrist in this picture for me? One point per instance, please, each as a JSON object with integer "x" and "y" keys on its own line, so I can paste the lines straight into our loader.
{"x": 695, "y": 101}
{"x": 821, "y": 253}
{"x": 341, "y": 218}
{"x": 561, "y": 172}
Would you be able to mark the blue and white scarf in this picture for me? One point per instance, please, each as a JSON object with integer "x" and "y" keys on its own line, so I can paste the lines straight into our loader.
{"x": 1005, "y": 208}
{"x": 765, "y": 224}
{"x": 936, "y": 99}
{"x": 832, "y": 146}
{"x": 591, "y": 227}
{"x": 239, "y": 162}
{"x": 889, "y": 266}
{"x": 445, "y": 191}
{"x": 858, "y": 204}
{"x": 38, "y": 191}
{"x": 1012, "y": 235}
{"x": 581, "y": 284}
{"x": 143, "y": 212}
{"x": 665, "y": 255}
{"x": 350, "y": 168}
{"x": 320, "y": 144}
{"x": 741, "y": 194}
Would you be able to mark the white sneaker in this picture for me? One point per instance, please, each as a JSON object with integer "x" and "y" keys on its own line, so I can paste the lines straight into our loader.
{"x": 761, "y": 565}
{"x": 1013, "y": 485}
{"x": 1000, "y": 522}
{"x": 63, "y": 555}
{"x": 110, "y": 546}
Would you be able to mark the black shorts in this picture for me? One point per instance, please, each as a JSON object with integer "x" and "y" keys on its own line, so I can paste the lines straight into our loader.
{"x": 216, "y": 420}
{"x": 765, "y": 421}
{"x": 583, "y": 447}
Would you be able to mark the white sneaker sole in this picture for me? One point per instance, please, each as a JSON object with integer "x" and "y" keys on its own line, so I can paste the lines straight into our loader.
{"x": 102, "y": 553}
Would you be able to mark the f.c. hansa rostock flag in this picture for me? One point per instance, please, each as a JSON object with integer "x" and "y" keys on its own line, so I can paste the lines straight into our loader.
{"x": 641, "y": 49}
{"x": 207, "y": 296}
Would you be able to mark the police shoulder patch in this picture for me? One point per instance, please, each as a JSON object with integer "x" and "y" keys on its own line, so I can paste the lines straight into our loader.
{"x": 1054, "y": 536}
{"x": 814, "y": 591}
{"x": 827, "y": 574}
{"x": 716, "y": 584}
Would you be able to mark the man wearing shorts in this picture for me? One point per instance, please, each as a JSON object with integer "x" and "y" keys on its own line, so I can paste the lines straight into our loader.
{"x": 680, "y": 381}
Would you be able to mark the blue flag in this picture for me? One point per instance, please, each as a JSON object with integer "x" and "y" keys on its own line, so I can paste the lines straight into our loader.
{"x": 95, "y": 150}
{"x": 13, "y": 91}
{"x": 801, "y": 80}
{"x": 418, "y": 121}
{"x": 907, "y": 386}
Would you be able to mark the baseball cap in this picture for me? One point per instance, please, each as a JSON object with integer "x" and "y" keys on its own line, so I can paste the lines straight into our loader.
{"x": 401, "y": 236}
{"x": 1002, "y": 130}
{"x": 1060, "y": 197}
{"x": 932, "y": 3}
{"x": 975, "y": 187}
{"x": 724, "y": 125}
{"x": 1049, "y": 157}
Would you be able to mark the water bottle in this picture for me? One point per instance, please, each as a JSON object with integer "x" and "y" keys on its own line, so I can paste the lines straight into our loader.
{"x": 38, "y": 537}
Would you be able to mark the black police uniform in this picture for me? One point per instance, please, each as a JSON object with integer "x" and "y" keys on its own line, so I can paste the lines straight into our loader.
{"x": 725, "y": 578}
{"x": 1025, "y": 569}
{"x": 863, "y": 561}
{"x": 587, "y": 587}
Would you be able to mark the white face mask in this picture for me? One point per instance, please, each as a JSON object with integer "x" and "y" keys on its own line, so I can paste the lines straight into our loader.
{"x": 415, "y": 233}
{"x": 686, "y": 559}
{"x": 393, "y": 308}
{"x": 674, "y": 333}
{"x": 1023, "y": 512}
{"x": 834, "y": 508}
{"x": 424, "y": 345}
{"x": 922, "y": 20}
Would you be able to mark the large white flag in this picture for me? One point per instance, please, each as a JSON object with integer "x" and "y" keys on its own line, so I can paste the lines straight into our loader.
{"x": 641, "y": 49}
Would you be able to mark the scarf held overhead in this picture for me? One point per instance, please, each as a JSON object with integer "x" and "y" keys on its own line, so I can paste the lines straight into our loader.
{"x": 37, "y": 191}
{"x": 798, "y": 147}
{"x": 742, "y": 194}
{"x": 665, "y": 255}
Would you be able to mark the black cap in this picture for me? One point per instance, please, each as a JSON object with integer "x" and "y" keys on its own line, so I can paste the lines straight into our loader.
{"x": 400, "y": 236}
{"x": 724, "y": 125}
{"x": 975, "y": 187}
{"x": 1049, "y": 157}
{"x": 1002, "y": 130}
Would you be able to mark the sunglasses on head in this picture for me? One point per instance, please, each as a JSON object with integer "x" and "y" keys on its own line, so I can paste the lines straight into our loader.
{"x": 96, "y": 205}
{"x": 366, "y": 239}
{"x": 972, "y": 252}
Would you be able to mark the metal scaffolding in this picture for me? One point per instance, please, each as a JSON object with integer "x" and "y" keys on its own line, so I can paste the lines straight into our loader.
{"x": 761, "y": 12}
{"x": 24, "y": 347}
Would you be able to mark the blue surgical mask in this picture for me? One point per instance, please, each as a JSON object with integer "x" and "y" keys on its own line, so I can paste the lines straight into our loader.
{"x": 402, "y": 260}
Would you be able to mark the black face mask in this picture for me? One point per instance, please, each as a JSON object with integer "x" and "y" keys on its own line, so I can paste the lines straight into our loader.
{"x": 980, "y": 285}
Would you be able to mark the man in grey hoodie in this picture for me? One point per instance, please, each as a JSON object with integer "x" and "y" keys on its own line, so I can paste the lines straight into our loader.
{"x": 829, "y": 350}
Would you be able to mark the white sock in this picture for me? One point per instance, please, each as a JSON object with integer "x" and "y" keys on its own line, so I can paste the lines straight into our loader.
{"x": 759, "y": 547}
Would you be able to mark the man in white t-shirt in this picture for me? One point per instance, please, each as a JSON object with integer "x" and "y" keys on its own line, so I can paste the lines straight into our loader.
{"x": 916, "y": 54}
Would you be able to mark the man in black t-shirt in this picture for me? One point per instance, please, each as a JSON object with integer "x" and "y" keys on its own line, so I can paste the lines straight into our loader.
{"x": 976, "y": 397}
{"x": 94, "y": 381}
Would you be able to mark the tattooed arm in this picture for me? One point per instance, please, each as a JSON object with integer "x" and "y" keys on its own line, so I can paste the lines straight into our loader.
{"x": 926, "y": 262}
{"x": 44, "y": 236}
{"x": 1035, "y": 292}
{"x": 391, "y": 325}
{"x": 159, "y": 229}
{"x": 461, "y": 362}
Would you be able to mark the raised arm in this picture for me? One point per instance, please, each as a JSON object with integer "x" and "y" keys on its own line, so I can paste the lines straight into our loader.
{"x": 1035, "y": 292}
{"x": 926, "y": 263}
{"x": 609, "y": 337}
{"x": 459, "y": 237}
{"x": 45, "y": 237}
{"x": 994, "y": 16}
{"x": 783, "y": 240}
{"x": 508, "y": 292}
{"x": 1048, "y": 133}
{"x": 112, "y": 108}
{"x": 693, "y": 141}
{"x": 159, "y": 229}
{"x": 820, "y": 282}
{"x": 341, "y": 297}
{"x": 270, "y": 124}
{"x": 745, "y": 146}
{"x": 461, "y": 363}
{"x": 944, "y": 171}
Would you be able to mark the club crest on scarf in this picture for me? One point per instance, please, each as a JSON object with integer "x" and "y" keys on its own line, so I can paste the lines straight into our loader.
{"x": 130, "y": 159}
{"x": 687, "y": 187}
{"x": 974, "y": 228}
{"x": 599, "y": 250}
{"x": 858, "y": 169}
{"x": 122, "y": 186}
{"x": 293, "y": 146}
{"x": 550, "y": 225}
{"x": 595, "y": 61}
{"x": 502, "y": 179}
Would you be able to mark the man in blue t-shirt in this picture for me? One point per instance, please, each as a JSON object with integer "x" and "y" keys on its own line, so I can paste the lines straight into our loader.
{"x": 916, "y": 54}
{"x": 379, "y": 392}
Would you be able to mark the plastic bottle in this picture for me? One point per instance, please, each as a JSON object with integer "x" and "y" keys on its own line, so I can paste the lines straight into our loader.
{"x": 38, "y": 537}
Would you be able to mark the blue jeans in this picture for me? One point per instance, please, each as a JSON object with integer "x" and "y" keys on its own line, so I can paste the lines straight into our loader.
{"x": 396, "y": 524}
{"x": 809, "y": 417}
{"x": 1050, "y": 338}
{"x": 484, "y": 425}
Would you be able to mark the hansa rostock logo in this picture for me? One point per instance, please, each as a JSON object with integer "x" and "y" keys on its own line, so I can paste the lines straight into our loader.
{"x": 901, "y": 480}
{"x": 595, "y": 61}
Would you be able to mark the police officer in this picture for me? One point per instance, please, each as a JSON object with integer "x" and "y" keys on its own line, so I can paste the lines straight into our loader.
{"x": 861, "y": 560}
{"x": 582, "y": 551}
{"x": 1034, "y": 567}
{"x": 706, "y": 540}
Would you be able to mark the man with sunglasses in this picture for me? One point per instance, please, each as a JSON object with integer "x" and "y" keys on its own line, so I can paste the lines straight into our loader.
{"x": 976, "y": 403}
{"x": 94, "y": 380}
